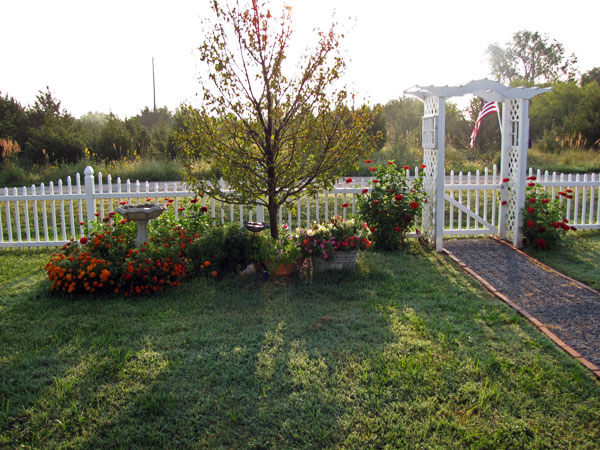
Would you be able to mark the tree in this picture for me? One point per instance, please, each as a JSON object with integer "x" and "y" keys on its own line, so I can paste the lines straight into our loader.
{"x": 275, "y": 130}
{"x": 531, "y": 58}
{"x": 591, "y": 76}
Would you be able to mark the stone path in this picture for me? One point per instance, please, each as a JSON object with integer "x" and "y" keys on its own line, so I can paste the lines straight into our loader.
{"x": 565, "y": 310}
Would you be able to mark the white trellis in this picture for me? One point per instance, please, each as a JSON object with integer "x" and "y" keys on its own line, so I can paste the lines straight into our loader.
{"x": 515, "y": 136}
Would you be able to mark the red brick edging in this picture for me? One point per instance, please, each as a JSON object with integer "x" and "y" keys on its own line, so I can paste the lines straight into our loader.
{"x": 539, "y": 325}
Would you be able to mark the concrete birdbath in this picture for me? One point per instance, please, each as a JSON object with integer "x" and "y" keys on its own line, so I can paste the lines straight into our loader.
{"x": 141, "y": 215}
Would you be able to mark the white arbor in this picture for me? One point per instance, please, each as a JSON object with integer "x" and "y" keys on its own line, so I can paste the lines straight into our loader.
{"x": 515, "y": 137}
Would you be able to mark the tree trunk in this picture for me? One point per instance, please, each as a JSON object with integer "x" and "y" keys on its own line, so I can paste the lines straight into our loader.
{"x": 272, "y": 208}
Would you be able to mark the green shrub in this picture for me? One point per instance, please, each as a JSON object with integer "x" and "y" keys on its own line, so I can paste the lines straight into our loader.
{"x": 229, "y": 248}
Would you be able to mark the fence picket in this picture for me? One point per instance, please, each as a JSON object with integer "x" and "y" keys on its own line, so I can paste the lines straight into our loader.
{"x": 35, "y": 217}
{"x": 62, "y": 212}
{"x": 44, "y": 214}
{"x": 17, "y": 217}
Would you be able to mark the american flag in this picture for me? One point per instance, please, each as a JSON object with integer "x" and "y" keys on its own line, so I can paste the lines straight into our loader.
{"x": 488, "y": 108}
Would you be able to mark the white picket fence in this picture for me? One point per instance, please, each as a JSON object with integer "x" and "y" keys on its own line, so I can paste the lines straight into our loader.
{"x": 52, "y": 215}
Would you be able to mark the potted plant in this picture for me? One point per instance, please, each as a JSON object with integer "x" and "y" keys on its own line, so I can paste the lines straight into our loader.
{"x": 334, "y": 245}
{"x": 285, "y": 253}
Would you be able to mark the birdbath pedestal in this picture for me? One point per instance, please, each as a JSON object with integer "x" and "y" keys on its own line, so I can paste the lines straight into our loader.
{"x": 141, "y": 215}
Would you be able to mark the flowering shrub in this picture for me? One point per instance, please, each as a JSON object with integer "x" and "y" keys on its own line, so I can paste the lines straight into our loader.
{"x": 543, "y": 218}
{"x": 105, "y": 260}
{"x": 338, "y": 235}
{"x": 391, "y": 206}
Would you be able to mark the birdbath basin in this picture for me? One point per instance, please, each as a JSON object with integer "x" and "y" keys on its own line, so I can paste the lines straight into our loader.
{"x": 141, "y": 215}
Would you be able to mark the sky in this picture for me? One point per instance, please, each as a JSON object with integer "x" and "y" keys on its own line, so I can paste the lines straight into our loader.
{"x": 97, "y": 56}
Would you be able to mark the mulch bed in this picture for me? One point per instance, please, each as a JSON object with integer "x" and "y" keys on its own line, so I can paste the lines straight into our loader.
{"x": 563, "y": 306}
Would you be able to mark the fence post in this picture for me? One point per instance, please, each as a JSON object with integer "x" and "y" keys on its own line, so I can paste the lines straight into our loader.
{"x": 90, "y": 204}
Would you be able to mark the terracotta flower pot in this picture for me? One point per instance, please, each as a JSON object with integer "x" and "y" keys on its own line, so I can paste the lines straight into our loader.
{"x": 285, "y": 270}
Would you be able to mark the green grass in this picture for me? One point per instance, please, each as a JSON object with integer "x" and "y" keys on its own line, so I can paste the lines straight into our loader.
{"x": 577, "y": 255}
{"x": 406, "y": 352}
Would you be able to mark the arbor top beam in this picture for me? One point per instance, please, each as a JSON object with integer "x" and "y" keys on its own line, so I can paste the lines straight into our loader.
{"x": 489, "y": 90}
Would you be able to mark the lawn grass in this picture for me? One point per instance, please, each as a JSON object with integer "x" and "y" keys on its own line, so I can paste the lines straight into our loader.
{"x": 406, "y": 352}
{"x": 577, "y": 255}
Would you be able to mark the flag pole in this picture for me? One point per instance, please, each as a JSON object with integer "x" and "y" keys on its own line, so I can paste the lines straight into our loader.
{"x": 500, "y": 120}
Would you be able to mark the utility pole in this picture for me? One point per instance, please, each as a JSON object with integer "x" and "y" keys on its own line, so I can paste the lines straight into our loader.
{"x": 153, "y": 85}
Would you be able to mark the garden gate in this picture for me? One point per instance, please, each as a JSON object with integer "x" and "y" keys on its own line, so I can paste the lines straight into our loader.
{"x": 515, "y": 138}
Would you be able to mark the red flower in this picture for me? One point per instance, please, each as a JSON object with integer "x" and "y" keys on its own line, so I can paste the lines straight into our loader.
{"x": 344, "y": 205}
{"x": 561, "y": 193}
{"x": 149, "y": 199}
{"x": 391, "y": 163}
{"x": 530, "y": 224}
{"x": 573, "y": 228}
{"x": 568, "y": 190}
{"x": 423, "y": 166}
{"x": 83, "y": 240}
{"x": 530, "y": 184}
{"x": 556, "y": 224}
{"x": 532, "y": 177}
{"x": 97, "y": 214}
{"x": 365, "y": 190}
{"x": 565, "y": 220}
{"x": 565, "y": 227}
{"x": 531, "y": 209}
{"x": 373, "y": 169}
{"x": 181, "y": 208}
{"x": 166, "y": 244}
{"x": 532, "y": 200}
{"x": 503, "y": 202}
{"x": 372, "y": 229}
{"x": 194, "y": 200}
{"x": 375, "y": 181}
{"x": 123, "y": 221}
{"x": 545, "y": 200}
{"x": 398, "y": 197}
{"x": 398, "y": 229}
{"x": 368, "y": 161}
{"x": 414, "y": 205}
{"x": 376, "y": 202}
{"x": 80, "y": 223}
{"x": 505, "y": 180}
{"x": 204, "y": 209}
{"x": 123, "y": 202}
{"x": 406, "y": 167}
{"x": 112, "y": 213}
{"x": 541, "y": 243}
{"x": 348, "y": 180}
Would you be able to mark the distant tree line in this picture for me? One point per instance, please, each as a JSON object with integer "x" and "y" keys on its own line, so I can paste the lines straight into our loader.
{"x": 44, "y": 133}
{"x": 567, "y": 117}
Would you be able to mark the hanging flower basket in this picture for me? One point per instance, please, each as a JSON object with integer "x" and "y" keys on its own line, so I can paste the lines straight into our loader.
{"x": 341, "y": 261}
